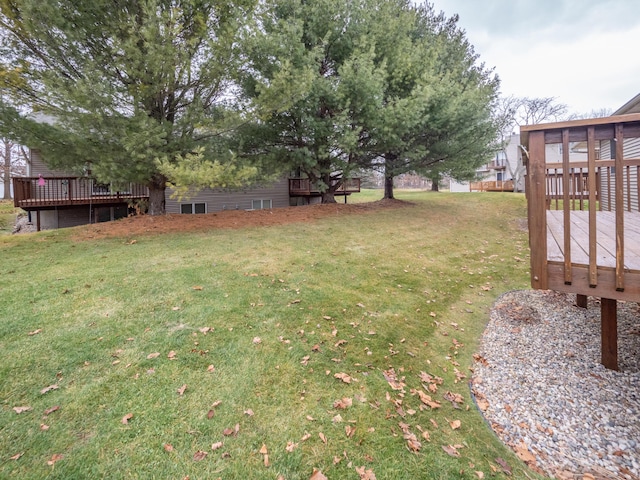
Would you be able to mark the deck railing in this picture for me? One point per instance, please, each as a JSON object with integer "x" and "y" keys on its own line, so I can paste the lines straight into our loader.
{"x": 42, "y": 192}
{"x": 606, "y": 181}
{"x": 492, "y": 186}
{"x": 303, "y": 186}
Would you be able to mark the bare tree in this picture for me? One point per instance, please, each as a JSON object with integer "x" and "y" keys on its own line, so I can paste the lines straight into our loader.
{"x": 512, "y": 112}
{"x": 13, "y": 162}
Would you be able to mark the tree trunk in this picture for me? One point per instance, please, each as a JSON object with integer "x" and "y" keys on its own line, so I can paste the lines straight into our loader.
{"x": 157, "y": 186}
{"x": 434, "y": 186}
{"x": 328, "y": 196}
{"x": 7, "y": 171}
{"x": 388, "y": 186}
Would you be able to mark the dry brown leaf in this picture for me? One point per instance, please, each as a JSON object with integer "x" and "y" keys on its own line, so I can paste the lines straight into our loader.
{"x": 197, "y": 287}
{"x": 480, "y": 474}
{"x": 199, "y": 455}
{"x": 171, "y": 355}
{"x": 305, "y": 360}
{"x": 126, "y": 418}
{"x": 451, "y": 450}
{"x": 349, "y": 431}
{"x": 266, "y": 460}
{"x": 305, "y": 437}
{"x": 337, "y": 419}
{"x": 48, "y": 389}
{"x": 257, "y": 340}
{"x": 291, "y": 447}
{"x": 216, "y": 404}
{"x": 19, "y": 410}
{"x": 16, "y": 456}
{"x": 524, "y": 454}
{"x": 168, "y": 447}
{"x": 35, "y": 332}
{"x": 343, "y": 403}
{"x": 263, "y": 449}
{"x": 455, "y": 424}
{"x": 412, "y": 442}
{"x": 44, "y": 427}
{"x": 365, "y": 474}
{"x": 49, "y": 411}
{"x": 322, "y": 437}
{"x": 310, "y": 418}
{"x": 54, "y": 458}
{"x": 216, "y": 446}
{"x": 153, "y": 355}
{"x": 249, "y": 412}
{"x": 336, "y": 460}
{"x": 505, "y": 466}
{"x": 211, "y": 369}
{"x": 182, "y": 389}
{"x": 317, "y": 475}
{"x": 343, "y": 376}
{"x": 228, "y": 432}
{"x": 210, "y": 414}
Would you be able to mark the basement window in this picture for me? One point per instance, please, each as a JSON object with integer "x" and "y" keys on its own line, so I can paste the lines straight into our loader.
{"x": 260, "y": 204}
{"x": 193, "y": 208}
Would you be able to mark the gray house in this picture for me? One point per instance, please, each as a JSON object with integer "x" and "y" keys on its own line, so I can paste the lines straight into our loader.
{"x": 55, "y": 199}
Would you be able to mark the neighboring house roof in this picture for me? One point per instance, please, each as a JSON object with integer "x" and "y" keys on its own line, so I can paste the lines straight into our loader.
{"x": 632, "y": 106}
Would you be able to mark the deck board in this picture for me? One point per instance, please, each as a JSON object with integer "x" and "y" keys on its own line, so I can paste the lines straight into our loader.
{"x": 606, "y": 239}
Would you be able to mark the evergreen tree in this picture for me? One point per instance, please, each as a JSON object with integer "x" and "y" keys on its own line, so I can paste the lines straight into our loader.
{"x": 136, "y": 87}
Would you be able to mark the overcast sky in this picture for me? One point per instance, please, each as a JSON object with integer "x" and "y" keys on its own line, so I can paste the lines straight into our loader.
{"x": 583, "y": 52}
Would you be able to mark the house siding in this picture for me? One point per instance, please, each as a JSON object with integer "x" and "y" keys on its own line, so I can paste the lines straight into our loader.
{"x": 608, "y": 183}
{"x": 38, "y": 167}
{"x": 219, "y": 199}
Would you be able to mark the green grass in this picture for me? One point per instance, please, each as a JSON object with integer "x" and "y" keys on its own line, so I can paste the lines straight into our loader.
{"x": 289, "y": 307}
{"x": 7, "y": 216}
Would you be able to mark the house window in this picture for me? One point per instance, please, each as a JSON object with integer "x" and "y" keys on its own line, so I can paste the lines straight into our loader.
{"x": 193, "y": 208}
{"x": 260, "y": 204}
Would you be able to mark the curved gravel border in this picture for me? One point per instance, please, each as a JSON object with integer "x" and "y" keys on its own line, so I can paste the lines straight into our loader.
{"x": 540, "y": 385}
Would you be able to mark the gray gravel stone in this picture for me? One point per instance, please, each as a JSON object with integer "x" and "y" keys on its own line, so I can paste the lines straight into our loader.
{"x": 540, "y": 373}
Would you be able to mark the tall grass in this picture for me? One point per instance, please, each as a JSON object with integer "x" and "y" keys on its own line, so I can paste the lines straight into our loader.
{"x": 291, "y": 328}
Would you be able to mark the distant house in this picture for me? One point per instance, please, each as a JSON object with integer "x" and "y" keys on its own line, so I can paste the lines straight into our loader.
{"x": 56, "y": 199}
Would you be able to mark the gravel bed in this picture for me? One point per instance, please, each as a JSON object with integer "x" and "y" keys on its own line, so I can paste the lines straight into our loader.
{"x": 538, "y": 380}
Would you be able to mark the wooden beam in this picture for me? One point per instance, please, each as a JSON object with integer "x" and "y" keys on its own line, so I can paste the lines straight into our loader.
{"x": 581, "y": 300}
{"x": 537, "y": 210}
{"x": 565, "y": 205}
{"x": 619, "y": 141}
{"x": 609, "y": 333}
{"x": 591, "y": 158}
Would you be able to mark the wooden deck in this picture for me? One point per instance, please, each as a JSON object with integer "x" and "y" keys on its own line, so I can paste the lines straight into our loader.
{"x": 590, "y": 243}
{"x": 302, "y": 187}
{"x": 491, "y": 186}
{"x": 42, "y": 193}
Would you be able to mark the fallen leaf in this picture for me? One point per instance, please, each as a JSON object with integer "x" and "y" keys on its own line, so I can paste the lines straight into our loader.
{"x": 412, "y": 441}
{"x": 266, "y": 460}
{"x": 305, "y": 437}
{"x": 216, "y": 446}
{"x": 197, "y": 287}
{"x": 44, "y": 427}
{"x": 317, "y": 475}
{"x": 343, "y": 403}
{"x": 343, "y": 376}
{"x": 55, "y": 458}
{"x": 322, "y": 437}
{"x": 19, "y": 410}
{"x": 199, "y": 455}
{"x": 455, "y": 424}
{"x": 337, "y": 419}
{"x": 505, "y": 466}
{"x": 365, "y": 474}
{"x": 349, "y": 431}
{"x": 210, "y": 368}
{"x": 480, "y": 475}
{"x": 524, "y": 454}
{"x": 210, "y": 414}
{"x": 451, "y": 450}
{"x": 216, "y": 404}
{"x": 263, "y": 449}
{"x": 48, "y": 389}
{"x": 171, "y": 355}
{"x": 291, "y": 447}
{"x": 153, "y": 355}
{"x": 49, "y": 411}
{"x": 249, "y": 412}
{"x": 257, "y": 340}
{"x": 182, "y": 389}
{"x": 16, "y": 456}
{"x": 310, "y": 418}
{"x": 126, "y": 418}
{"x": 168, "y": 447}
{"x": 35, "y": 332}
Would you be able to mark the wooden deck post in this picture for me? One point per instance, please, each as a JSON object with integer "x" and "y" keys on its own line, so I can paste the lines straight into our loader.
{"x": 537, "y": 211}
{"x": 609, "y": 333}
{"x": 581, "y": 300}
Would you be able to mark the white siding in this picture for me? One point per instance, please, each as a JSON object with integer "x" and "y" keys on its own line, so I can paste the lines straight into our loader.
{"x": 631, "y": 150}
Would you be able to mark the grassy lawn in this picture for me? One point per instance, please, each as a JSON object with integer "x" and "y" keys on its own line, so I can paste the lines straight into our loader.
{"x": 7, "y": 216}
{"x": 343, "y": 345}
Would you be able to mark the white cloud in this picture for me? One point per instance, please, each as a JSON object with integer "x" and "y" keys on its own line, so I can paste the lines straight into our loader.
{"x": 579, "y": 51}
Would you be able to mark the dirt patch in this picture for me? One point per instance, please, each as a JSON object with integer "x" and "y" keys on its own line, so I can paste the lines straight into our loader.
{"x": 148, "y": 225}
